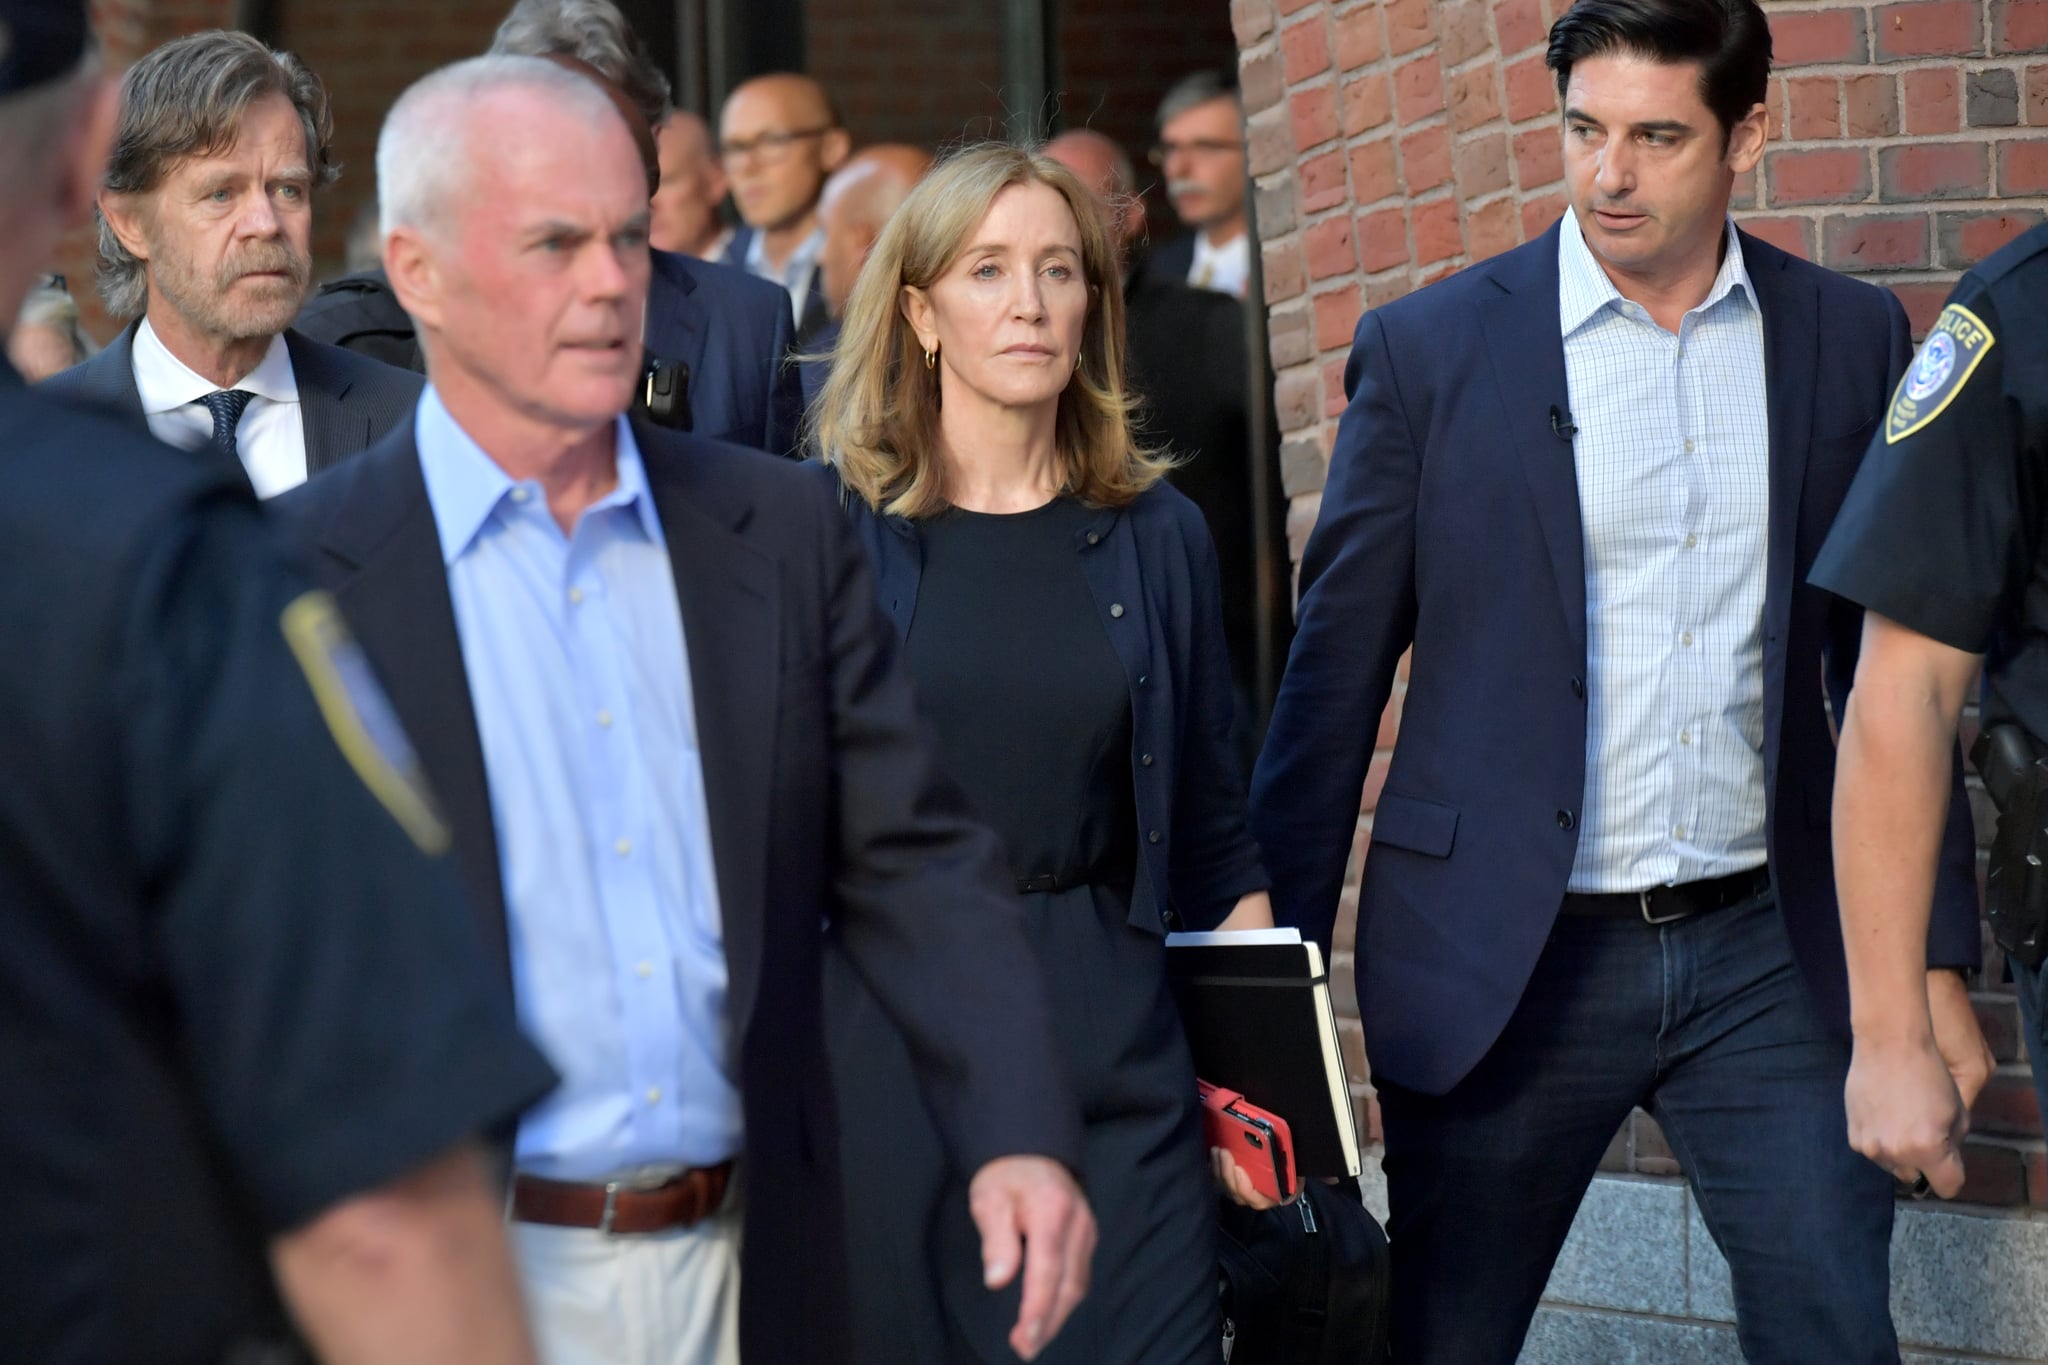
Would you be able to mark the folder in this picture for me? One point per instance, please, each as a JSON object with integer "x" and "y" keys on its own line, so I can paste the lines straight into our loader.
{"x": 1256, "y": 1007}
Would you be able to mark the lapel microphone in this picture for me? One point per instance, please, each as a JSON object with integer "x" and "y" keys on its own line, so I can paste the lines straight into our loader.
{"x": 1561, "y": 423}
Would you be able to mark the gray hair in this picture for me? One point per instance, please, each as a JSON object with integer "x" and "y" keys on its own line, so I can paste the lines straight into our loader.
{"x": 187, "y": 98}
{"x": 423, "y": 153}
{"x": 1199, "y": 88}
{"x": 594, "y": 32}
{"x": 49, "y": 306}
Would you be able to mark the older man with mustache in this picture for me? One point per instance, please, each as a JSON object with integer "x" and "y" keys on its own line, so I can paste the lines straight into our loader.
{"x": 204, "y": 220}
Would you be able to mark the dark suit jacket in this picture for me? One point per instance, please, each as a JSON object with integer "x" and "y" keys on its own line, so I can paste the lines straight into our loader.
{"x": 1173, "y": 259}
{"x": 345, "y": 401}
{"x": 1451, "y": 522}
{"x": 813, "y": 316}
{"x": 825, "y": 806}
{"x": 731, "y": 329}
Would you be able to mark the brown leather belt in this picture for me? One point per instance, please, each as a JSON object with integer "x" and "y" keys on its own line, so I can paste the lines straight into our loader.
{"x": 1670, "y": 904}
{"x": 611, "y": 1207}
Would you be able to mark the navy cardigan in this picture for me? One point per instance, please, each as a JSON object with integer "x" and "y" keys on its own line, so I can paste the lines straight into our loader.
{"x": 1152, "y": 569}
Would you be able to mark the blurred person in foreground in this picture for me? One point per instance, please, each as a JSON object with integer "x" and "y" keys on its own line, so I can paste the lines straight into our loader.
{"x": 205, "y": 220}
{"x": 646, "y": 670}
{"x": 48, "y": 337}
{"x": 246, "y": 1034}
{"x": 1058, "y": 606}
{"x": 1201, "y": 153}
{"x": 779, "y": 138}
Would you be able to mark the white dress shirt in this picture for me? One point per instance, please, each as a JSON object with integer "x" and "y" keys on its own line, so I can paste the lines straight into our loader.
{"x": 271, "y": 437}
{"x": 1227, "y": 269}
{"x": 1673, "y": 463}
{"x": 795, "y": 273}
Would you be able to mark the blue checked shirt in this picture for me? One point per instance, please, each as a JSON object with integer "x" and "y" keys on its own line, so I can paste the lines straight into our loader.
{"x": 581, "y": 682}
{"x": 1673, "y": 461}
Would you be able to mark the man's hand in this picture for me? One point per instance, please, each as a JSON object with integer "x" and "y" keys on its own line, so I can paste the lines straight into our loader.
{"x": 1029, "y": 1208}
{"x": 1956, "y": 1034}
{"x": 1232, "y": 1179}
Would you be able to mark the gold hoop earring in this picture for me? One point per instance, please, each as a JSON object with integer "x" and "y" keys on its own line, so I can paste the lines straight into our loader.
{"x": 930, "y": 358}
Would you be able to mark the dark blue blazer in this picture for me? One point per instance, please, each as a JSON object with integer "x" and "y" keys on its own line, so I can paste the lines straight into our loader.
{"x": 1152, "y": 570}
{"x": 744, "y": 388}
{"x": 826, "y": 809}
{"x": 1173, "y": 259}
{"x": 813, "y": 316}
{"x": 1451, "y": 523}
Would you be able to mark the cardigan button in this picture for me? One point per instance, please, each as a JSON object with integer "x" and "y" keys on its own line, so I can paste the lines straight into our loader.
{"x": 1169, "y": 919}
{"x": 1116, "y": 609}
{"x": 1144, "y": 678}
{"x": 1153, "y": 836}
{"x": 1094, "y": 538}
{"x": 1565, "y": 819}
{"x": 1145, "y": 759}
{"x": 1579, "y": 688}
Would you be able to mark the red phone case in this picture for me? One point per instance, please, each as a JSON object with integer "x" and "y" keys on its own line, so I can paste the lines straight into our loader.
{"x": 1257, "y": 1139}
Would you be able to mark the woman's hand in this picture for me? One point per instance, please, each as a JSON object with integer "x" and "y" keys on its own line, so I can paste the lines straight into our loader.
{"x": 1252, "y": 911}
{"x": 1232, "y": 1180}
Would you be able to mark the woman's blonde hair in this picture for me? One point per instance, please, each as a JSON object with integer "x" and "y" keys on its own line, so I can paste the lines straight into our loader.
{"x": 877, "y": 419}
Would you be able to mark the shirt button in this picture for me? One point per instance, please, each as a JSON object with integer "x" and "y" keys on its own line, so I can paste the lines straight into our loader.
{"x": 623, "y": 847}
{"x": 1688, "y": 445}
{"x": 1145, "y": 759}
{"x": 520, "y": 495}
{"x": 1116, "y": 609}
{"x": 1692, "y": 542}
{"x": 1565, "y": 819}
{"x": 654, "y": 1094}
{"x": 575, "y": 594}
{"x": 1678, "y": 831}
{"x": 604, "y": 720}
{"x": 1686, "y": 639}
{"x": 1685, "y": 736}
{"x": 1153, "y": 837}
{"x": 644, "y": 970}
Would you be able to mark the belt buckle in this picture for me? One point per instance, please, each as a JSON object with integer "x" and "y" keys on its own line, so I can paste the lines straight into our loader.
{"x": 611, "y": 1204}
{"x": 1643, "y": 903}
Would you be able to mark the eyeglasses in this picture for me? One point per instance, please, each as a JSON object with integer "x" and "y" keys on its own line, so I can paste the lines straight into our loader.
{"x": 1202, "y": 147}
{"x": 768, "y": 146}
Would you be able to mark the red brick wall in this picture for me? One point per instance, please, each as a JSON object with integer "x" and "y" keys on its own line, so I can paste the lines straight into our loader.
{"x": 1394, "y": 141}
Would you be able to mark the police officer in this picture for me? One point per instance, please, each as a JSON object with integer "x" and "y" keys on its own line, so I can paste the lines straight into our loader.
{"x": 246, "y": 1032}
{"x": 1941, "y": 540}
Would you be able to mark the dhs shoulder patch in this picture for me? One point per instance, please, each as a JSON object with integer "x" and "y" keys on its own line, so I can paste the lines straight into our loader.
{"x": 359, "y": 716}
{"x": 1946, "y": 360}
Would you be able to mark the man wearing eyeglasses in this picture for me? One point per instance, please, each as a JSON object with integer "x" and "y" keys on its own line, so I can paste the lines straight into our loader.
{"x": 779, "y": 138}
{"x": 1201, "y": 152}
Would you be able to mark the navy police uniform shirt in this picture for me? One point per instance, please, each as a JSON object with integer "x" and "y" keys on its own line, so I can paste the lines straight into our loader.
{"x": 237, "y": 984}
{"x": 1942, "y": 529}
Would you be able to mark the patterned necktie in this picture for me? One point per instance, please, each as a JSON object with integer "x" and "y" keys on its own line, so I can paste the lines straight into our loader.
{"x": 227, "y": 406}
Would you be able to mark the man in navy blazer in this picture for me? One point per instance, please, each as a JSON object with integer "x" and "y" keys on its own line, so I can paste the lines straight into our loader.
{"x": 1583, "y": 482}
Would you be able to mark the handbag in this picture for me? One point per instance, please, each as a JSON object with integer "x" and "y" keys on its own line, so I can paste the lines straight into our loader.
{"x": 1306, "y": 1283}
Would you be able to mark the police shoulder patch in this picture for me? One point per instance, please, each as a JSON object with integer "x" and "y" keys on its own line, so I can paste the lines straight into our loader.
{"x": 1946, "y": 360}
{"x": 360, "y": 717}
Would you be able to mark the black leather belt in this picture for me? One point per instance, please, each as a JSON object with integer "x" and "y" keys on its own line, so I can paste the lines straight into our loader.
{"x": 1670, "y": 904}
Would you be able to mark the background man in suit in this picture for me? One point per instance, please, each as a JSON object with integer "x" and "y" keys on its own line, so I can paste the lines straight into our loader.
{"x": 1201, "y": 152}
{"x": 1585, "y": 481}
{"x": 780, "y": 137}
{"x": 686, "y": 214}
{"x": 732, "y": 332}
{"x": 646, "y": 673}
{"x": 857, "y": 203}
{"x": 203, "y": 221}
{"x": 1188, "y": 367}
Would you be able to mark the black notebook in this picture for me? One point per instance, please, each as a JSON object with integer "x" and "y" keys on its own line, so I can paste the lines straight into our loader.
{"x": 1256, "y": 1006}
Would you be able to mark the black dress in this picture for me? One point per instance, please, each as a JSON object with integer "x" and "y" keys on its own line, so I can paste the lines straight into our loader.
{"x": 1032, "y": 708}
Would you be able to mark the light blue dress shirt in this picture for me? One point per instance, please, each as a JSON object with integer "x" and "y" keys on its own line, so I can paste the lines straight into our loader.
{"x": 579, "y": 674}
{"x": 1673, "y": 463}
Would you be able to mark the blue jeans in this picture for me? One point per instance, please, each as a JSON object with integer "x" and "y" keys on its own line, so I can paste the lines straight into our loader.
{"x": 2033, "y": 993}
{"x": 1707, "y": 1024}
